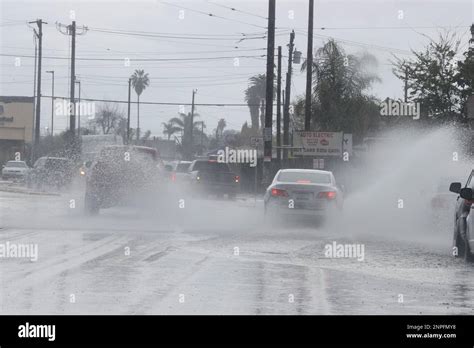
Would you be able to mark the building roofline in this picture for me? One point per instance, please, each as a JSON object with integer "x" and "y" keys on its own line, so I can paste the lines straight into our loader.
{"x": 16, "y": 99}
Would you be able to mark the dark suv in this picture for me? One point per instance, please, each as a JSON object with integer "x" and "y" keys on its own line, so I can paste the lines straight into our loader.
{"x": 212, "y": 177}
{"x": 51, "y": 171}
{"x": 120, "y": 172}
{"x": 463, "y": 240}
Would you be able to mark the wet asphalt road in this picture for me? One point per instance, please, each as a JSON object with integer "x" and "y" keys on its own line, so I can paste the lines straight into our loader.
{"x": 214, "y": 257}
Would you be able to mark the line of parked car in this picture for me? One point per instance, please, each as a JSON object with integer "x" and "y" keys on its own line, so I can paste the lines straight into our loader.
{"x": 47, "y": 171}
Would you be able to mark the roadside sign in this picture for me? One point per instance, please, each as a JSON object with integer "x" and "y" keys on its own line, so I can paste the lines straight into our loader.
{"x": 318, "y": 143}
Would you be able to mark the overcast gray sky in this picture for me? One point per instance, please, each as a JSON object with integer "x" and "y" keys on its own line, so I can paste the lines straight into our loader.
{"x": 183, "y": 35}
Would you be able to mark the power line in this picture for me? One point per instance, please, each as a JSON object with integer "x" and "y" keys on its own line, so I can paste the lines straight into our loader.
{"x": 166, "y": 78}
{"x": 139, "y": 59}
{"x": 149, "y": 67}
{"x": 145, "y": 52}
{"x": 237, "y": 35}
{"x": 174, "y": 36}
{"x": 383, "y": 28}
{"x": 236, "y": 10}
{"x": 157, "y": 103}
{"x": 212, "y": 15}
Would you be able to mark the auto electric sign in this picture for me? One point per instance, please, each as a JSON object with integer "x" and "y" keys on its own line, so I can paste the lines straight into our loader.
{"x": 317, "y": 143}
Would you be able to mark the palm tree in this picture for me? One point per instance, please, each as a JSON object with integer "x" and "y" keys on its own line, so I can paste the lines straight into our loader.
{"x": 183, "y": 124}
{"x": 221, "y": 124}
{"x": 170, "y": 128}
{"x": 140, "y": 82}
{"x": 254, "y": 94}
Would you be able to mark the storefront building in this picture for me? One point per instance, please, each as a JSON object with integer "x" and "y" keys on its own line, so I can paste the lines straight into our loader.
{"x": 16, "y": 127}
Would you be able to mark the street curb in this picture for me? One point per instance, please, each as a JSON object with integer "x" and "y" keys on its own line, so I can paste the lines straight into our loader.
{"x": 13, "y": 190}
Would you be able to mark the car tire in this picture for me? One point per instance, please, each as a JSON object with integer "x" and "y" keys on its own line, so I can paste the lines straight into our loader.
{"x": 91, "y": 204}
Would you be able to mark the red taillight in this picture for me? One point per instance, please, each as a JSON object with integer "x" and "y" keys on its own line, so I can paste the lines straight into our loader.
{"x": 279, "y": 193}
{"x": 173, "y": 177}
{"x": 236, "y": 178}
{"x": 327, "y": 194}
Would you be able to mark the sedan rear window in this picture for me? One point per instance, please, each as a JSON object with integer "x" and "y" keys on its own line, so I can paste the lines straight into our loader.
{"x": 57, "y": 163}
{"x": 211, "y": 166}
{"x": 305, "y": 177}
{"x": 182, "y": 167}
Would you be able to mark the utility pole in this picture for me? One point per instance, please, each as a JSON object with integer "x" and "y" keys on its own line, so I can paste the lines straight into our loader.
{"x": 72, "y": 31}
{"x": 39, "y": 23}
{"x": 406, "y": 84}
{"x": 191, "y": 126}
{"x": 128, "y": 109}
{"x": 283, "y": 98}
{"x": 278, "y": 118}
{"x": 79, "y": 110}
{"x": 309, "y": 68}
{"x": 471, "y": 40}
{"x": 52, "y": 101}
{"x": 35, "y": 35}
{"x": 267, "y": 132}
{"x": 286, "y": 110}
{"x": 72, "y": 105}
